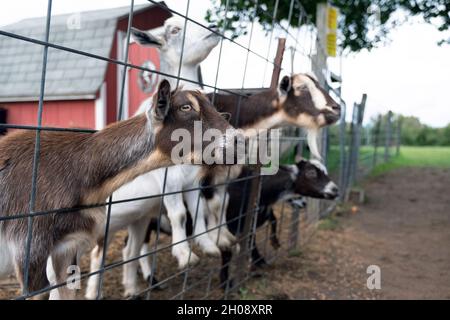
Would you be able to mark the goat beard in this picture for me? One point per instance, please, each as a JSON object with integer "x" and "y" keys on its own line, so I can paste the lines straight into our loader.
{"x": 312, "y": 143}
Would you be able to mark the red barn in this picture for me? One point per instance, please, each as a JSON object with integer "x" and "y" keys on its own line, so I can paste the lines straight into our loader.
{"x": 80, "y": 92}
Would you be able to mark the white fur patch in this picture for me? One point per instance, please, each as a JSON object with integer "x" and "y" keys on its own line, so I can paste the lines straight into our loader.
{"x": 319, "y": 165}
{"x": 276, "y": 120}
{"x": 318, "y": 98}
{"x": 174, "y": 22}
{"x": 312, "y": 143}
{"x": 312, "y": 75}
{"x": 293, "y": 171}
{"x": 6, "y": 263}
{"x": 329, "y": 187}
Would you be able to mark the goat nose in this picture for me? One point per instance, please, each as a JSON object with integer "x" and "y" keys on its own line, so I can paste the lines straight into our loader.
{"x": 335, "y": 190}
{"x": 335, "y": 106}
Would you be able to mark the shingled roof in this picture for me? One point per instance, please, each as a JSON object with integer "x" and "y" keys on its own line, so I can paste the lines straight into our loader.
{"x": 69, "y": 76}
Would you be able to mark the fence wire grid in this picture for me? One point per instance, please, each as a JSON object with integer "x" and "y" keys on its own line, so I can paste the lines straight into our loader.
{"x": 356, "y": 152}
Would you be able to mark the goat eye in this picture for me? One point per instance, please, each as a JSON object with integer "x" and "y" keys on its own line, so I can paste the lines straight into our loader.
{"x": 311, "y": 174}
{"x": 186, "y": 108}
{"x": 175, "y": 30}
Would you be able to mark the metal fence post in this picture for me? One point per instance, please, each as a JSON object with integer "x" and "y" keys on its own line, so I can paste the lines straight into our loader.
{"x": 376, "y": 141}
{"x": 359, "y": 127}
{"x": 342, "y": 150}
{"x": 358, "y": 116}
{"x": 319, "y": 64}
{"x": 349, "y": 167}
{"x": 388, "y": 136}
{"x": 399, "y": 134}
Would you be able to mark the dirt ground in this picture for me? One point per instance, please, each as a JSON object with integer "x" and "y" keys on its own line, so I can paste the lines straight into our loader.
{"x": 403, "y": 227}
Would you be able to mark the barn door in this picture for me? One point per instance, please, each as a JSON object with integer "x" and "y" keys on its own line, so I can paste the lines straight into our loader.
{"x": 141, "y": 84}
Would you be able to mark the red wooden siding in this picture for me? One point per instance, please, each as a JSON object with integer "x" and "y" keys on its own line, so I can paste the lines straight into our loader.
{"x": 145, "y": 20}
{"x": 137, "y": 56}
{"x": 61, "y": 114}
{"x": 81, "y": 113}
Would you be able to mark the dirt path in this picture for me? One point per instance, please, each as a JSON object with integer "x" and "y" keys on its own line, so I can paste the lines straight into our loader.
{"x": 404, "y": 228}
{"x": 407, "y": 219}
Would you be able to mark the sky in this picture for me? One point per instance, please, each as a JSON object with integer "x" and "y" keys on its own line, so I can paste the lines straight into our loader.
{"x": 410, "y": 75}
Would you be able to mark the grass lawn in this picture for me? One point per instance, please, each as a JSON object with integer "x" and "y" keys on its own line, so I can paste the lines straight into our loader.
{"x": 417, "y": 157}
{"x": 365, "y": 156}
{"x": 409, "y": 157}
{"x": 334, "y": 156}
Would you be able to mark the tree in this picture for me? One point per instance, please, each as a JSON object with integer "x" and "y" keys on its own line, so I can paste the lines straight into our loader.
{"x": 445, "y": 135}
{"x": 411, "y": 127}
{"x": 413, "y": 132}
{"x": 364, "y": 24}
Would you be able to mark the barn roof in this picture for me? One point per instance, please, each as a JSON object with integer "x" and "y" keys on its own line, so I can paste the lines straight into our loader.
{"x": 69, "y": 76}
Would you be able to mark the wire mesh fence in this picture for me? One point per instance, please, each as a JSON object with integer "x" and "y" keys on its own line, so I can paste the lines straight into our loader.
{"x": 284, "y": 226}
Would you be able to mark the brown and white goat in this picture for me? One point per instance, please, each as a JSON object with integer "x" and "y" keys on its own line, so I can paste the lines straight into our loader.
{"x": 299, "y": 101}
{"x": 82, "y": 169}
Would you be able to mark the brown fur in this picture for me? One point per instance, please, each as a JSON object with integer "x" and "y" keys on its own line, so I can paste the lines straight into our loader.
{"x": 249, "y": 110}
{"x": 77, "y": 169}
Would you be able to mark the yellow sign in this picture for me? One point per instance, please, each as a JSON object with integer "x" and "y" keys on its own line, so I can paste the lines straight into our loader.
{"x": 332, "y": 15}
{"x": 331, "y": 44}
{"x": 332, "y": 18}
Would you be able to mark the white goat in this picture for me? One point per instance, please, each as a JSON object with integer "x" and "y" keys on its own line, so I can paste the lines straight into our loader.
{"x": 136, "y": 214}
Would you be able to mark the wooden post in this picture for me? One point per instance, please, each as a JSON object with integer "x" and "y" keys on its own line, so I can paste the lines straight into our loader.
{"x": 294, "y": 229}
{"x": 277, "y": 63}
{"x": 245, "y": 242}
{"x": 253, "y": 201}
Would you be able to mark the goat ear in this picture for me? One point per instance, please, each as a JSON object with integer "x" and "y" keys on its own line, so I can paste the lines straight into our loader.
{"x": 285, "y": 85}
{"x": 226, "y": 116}
{"x": 298, "y": 158}
{"x": 162, "y": 100}
{"x": 146, "y": 38}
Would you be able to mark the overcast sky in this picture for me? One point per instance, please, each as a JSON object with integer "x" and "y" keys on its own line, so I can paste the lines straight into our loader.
{"x": 411, "y": 75}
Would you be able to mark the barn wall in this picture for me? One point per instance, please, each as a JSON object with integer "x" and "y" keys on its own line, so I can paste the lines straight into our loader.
{"x": 137, "y": 56}
{"x": 63, "y": 114}
{"x": 111, "y": 86}
{"x": 145, "y": 20}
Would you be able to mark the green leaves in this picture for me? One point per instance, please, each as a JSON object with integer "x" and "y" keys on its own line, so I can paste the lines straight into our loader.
{"x": 363, "y": 24}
